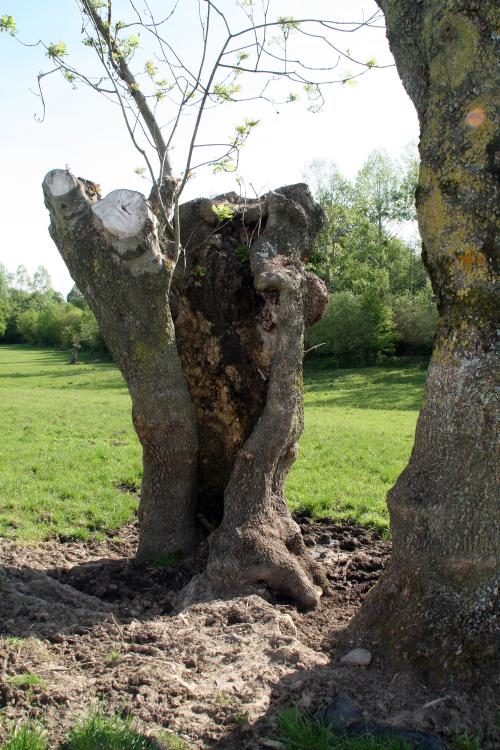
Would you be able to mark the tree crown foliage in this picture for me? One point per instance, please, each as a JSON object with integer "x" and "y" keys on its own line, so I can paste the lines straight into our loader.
{"x": 381, "y": 300}
{"x": 32, "y": 311}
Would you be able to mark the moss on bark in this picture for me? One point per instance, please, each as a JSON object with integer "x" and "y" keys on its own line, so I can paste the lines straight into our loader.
{"x": 436, "y": 608}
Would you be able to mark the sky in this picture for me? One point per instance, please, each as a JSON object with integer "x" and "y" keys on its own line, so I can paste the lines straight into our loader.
{"x": 86, "y": 133}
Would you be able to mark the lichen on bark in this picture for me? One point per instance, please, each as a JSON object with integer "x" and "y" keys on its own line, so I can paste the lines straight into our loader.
{"x": 436, "y": 608}
{"x": 212, "y": 356}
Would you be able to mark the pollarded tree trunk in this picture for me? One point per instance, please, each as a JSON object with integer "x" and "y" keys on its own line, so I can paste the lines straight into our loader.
{"x": 113, "y": 252}
{"x": 225, "y": 333}
{"x": 240, "y": 306}
{"x": 226, "y": 328}
{"x": 240, "y": 300}
{"x": 436, "y": 607}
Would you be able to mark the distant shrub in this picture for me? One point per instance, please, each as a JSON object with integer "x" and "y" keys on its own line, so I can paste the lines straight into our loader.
{"x": 356, "y": 329}
{"x": 58, "y": 324}
{"x": 90, "y": 335}
{"x": 415, "y": 319}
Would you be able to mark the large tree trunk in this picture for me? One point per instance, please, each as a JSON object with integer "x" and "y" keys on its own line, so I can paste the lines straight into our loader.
{"x": 113, "y": 253}
{"x": 241, "y": 303}
{"x": 436, "y": 607}
{"x": 240, "y": 300}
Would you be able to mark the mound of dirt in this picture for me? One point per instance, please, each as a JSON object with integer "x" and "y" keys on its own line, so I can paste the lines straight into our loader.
{"x": 89, "y": 623}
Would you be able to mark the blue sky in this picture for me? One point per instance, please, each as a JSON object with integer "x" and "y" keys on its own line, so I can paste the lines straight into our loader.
{"x": 84, "y": 131}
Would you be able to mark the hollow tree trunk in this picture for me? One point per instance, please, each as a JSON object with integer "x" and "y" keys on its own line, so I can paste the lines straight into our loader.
{"x": 112, "y": 250}
{"x": 240, "y": 304}
{"x": 226, "y": 331}
{"x": 225, "y": 334}
{"x": 240, "y": 300}
{"x": 436, "y": 607}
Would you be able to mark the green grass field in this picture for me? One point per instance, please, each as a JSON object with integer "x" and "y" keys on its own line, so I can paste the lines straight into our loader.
{"x": 359, "y": 429}
{"x": 67, "y": 445}
{"x": 68, "y": 449}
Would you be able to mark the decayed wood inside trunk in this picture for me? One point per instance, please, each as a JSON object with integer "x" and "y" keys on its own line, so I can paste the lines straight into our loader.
{"x": 225, "y": 332}
{"x": 239, "y": 300}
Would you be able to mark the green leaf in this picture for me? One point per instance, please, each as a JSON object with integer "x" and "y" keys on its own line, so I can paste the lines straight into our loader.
{"x": 223, "y": 211}
{"x": 288, "y": 23}
{"x": 199, "y": 271}
{"x": 150, "y": 68}
{"x": 8, "y": 25}
{"x": 243, "y": 253}
{"x": 97, "y": 4}
{"x": 224, "y": 93}
{"x": 57, "y": 49}
{"x": 225, "y": 165}
{"x": 128, "y": 46}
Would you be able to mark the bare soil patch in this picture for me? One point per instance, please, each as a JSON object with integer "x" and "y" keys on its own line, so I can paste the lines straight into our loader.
{"x": 91, "y": 624}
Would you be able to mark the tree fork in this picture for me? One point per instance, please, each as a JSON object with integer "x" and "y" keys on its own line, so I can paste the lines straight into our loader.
{"x": 113, "y": 252}
{"x": 239, "y": 324}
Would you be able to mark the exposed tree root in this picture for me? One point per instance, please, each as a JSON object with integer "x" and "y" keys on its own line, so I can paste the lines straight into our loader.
{"x": 270, "y": 551}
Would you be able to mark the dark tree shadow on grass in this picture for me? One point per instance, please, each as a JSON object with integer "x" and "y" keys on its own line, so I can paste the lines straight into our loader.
{"x": 74, "y": 375}
{"x": 373, "y": 388}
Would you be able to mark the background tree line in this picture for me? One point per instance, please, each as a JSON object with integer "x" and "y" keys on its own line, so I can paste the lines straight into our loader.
{"x": 381, "y": 299}
{"x": 31, "y": 311}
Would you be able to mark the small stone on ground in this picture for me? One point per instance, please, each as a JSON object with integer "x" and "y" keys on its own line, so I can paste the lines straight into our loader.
{"x": 359, "y": 657}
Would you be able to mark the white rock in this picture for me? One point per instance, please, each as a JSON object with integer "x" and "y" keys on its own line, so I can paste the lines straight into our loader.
{"x": 359, "y": 657}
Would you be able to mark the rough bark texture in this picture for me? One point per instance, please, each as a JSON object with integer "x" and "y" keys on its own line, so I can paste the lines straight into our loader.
{"x": 226, "y": 329}
{"x": 240, "y": 299}
{"x": 240, "y": 330}
{"x": 224, "y": 332}
{"x": 437, "y": 605}
{"x": 125, "y": 274}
